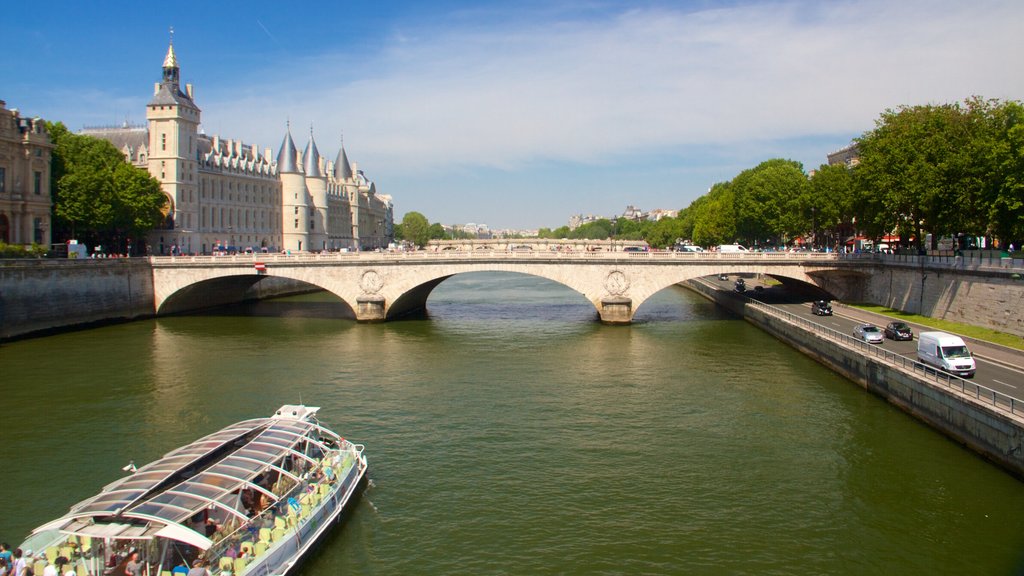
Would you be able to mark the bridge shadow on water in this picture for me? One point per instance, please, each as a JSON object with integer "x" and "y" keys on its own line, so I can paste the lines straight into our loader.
{"x": 322, "y": 305}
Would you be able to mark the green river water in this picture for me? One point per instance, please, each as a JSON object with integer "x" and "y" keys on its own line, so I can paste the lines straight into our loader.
{"x": 510, "y": 433}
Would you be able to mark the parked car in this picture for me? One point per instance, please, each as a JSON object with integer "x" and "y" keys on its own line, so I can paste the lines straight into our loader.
{"x": 898, "y": 331}
{"x": 869, "y": 333}
{"x": 821, "y": 308}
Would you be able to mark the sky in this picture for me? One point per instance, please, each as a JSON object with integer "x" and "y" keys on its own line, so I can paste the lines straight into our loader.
{"x": 522, "y": 114}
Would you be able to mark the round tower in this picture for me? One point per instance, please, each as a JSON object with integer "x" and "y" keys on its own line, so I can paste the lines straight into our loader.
{"x": 316, "y": 184}
{"x": 294, "y": 198}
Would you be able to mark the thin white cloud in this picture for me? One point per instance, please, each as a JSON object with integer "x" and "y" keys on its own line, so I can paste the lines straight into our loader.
{"x": 590, "y": 91}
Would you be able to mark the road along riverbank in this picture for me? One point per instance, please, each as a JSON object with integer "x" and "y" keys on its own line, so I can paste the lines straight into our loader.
{"x": 987, "y": 422}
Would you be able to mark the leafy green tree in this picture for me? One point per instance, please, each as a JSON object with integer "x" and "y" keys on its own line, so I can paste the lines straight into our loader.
{"x": 97, "y": 195}
{"x": 768, "y": 201}
{"x": 415, "y": 228}
{"x": 436, "y": 231}
{"x": 715, "y": 220}
{"x": 833, "y": 198}
{"x": 911, "y": 161}
{"x": 665, "y": 232}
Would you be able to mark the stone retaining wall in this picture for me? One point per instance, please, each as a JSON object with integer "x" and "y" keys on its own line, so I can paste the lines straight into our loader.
{"x": 45, "y": 295}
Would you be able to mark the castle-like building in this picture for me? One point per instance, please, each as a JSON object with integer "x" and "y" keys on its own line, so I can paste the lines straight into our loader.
{"x": 225, "y": 195}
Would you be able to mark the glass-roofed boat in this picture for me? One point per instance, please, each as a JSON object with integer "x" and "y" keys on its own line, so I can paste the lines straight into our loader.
{"x": 249, "y": 500}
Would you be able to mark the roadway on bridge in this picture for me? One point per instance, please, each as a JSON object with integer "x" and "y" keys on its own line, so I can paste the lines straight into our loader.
{"x": 998, "y": 368}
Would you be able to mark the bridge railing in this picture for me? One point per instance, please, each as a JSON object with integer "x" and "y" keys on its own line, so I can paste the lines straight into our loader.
{"x": 967, "y": 388}
{"x": 967, "y": 260}
{"x": 491, "y": 254}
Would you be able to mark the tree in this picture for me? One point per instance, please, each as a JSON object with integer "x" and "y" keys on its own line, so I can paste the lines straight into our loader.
{"x": 99, "y": 197}
{"x": 664, "y": 232}
{"x": 415, "y": 228}
{"x": 715, "y": 220}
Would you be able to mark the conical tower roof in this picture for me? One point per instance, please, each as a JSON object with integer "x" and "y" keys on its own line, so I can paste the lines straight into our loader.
{"x": 342, "y": 168}
{"x": 287, "y": 158}
{"x": 311, "y": 159}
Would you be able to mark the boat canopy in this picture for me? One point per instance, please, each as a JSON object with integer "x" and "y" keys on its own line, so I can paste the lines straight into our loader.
{"x": 161, "y": 498}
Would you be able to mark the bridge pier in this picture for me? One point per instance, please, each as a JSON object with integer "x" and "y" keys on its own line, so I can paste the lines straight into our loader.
{"x": 616, "y": 310}
{"x": 370, "y": 308}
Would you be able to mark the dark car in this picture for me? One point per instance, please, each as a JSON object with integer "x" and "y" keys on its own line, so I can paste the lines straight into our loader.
{"x": 898, "y": 331}
{"x": 723, "y": 277}
{"x": 741, "y": 286}
{"x": 821, "y": 308}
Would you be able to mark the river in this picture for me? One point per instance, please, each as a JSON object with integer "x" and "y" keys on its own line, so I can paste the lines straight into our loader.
{"x": 510, "y": 433}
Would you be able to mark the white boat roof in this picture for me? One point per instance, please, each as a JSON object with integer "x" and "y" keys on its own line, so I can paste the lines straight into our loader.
{"x": 161, "y": 497}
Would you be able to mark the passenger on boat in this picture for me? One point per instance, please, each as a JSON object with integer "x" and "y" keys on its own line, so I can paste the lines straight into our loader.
{"x": 20, "y": 563}
{"x": 111, "y": 566}
{"x": 199, "y": 568}
{"x": 50, "y": 569}
{"x": 133, "y": 567}
{"x": 181, "y": 569}
{"x": 5, "y": 554}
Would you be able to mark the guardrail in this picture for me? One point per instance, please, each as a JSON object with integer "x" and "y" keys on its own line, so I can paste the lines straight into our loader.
{"x": 970, "y": 389}
{"x": 795, "y": 258}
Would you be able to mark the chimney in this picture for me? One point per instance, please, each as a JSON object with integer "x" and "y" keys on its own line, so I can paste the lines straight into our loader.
{"x": 156, "y": 88}
{"x": 188, "y": 90}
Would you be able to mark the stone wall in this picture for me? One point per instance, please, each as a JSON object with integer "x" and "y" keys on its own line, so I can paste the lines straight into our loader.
{"x": 996, "y": 435}
{"x": 989, "y": 298}
{"x": 45, "y": 295}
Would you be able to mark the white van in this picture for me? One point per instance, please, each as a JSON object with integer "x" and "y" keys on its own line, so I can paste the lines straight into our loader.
{"x": 945, "y": 352}
{"x": 731, "y": 248}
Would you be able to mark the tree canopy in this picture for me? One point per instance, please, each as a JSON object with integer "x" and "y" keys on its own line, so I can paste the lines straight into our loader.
{"x": 98, "y": 197}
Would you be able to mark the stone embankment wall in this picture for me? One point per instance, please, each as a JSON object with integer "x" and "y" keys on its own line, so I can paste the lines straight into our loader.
{"x": 990, "y": 296}
{"x": 46, "y": 295}
{"x": 996, "y": 435}
{"x": 43, "y": 296}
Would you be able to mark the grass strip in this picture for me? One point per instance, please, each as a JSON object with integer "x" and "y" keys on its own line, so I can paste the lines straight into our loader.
{"x": 995, "y": 336}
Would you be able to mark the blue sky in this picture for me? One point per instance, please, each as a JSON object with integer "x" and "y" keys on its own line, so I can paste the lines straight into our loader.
{"x": 520, "y": 114}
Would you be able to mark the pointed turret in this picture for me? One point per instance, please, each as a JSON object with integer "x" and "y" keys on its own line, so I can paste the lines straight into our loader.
{"x": 342, "y": 168}
{"x": 287, "y": 158}
{"x": 311, "y": 159}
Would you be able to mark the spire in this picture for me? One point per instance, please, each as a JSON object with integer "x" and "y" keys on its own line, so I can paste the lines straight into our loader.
{"x": 286, "y": 158}
{"x": 171, "y": 63}
{"x": 311, "y": 158}
{"x": 342, "y": 169}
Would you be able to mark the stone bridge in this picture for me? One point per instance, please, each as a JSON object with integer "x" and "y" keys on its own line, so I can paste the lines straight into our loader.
{"x": 383, "y": 286}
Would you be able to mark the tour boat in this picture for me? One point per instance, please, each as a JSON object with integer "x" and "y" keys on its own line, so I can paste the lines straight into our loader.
{"x": 249, "y": 500}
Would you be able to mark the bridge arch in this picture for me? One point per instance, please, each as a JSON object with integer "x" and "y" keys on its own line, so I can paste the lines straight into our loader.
{"x": 380, "y": 287}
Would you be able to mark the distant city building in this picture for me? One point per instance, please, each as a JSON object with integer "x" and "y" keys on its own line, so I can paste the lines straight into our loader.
{"x": 25, "y": 201}
{"x": 223, "y": 194}
{"x": 659, "y": 213}
{"x": 848, "y": 156}
{"x": 633, "y": 213}
{"x": 577, "y": 220}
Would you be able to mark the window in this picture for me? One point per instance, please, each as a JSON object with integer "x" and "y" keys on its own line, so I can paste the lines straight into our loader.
{"x": 3, "y": 179}
{"x": 296, "y": 223}
{"x": 37, "y": 182}
{"x": 311, "y": 224}
{"x": 163, "y": 141}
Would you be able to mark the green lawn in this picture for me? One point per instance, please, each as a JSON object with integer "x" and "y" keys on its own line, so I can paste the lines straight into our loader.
{"x": 966, "y": 329}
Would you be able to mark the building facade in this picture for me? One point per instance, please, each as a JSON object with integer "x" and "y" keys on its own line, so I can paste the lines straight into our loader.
{"x": 224, "y": 195}
{"x": 25, "y": 157}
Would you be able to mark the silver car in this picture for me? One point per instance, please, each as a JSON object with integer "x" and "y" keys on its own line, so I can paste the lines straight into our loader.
{"x": 869, "y": 333}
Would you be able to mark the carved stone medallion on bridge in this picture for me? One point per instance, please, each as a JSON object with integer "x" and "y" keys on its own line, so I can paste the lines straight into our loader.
{"x": 616, "y": 283}
{"x": 371, "y": 282}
